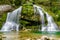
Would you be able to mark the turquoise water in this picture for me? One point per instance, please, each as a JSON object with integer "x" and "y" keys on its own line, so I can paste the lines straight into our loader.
{"x": 51, "y": 33}
{"x": 57, "y": 33}
{"x": 16, "y": 35}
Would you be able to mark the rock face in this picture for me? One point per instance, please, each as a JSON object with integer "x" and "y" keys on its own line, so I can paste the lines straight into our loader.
{"x": 4, "y": 8}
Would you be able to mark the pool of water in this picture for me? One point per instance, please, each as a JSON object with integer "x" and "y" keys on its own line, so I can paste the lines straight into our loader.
{"x": 18, "y": 35}
{"x": 50, "y": 34}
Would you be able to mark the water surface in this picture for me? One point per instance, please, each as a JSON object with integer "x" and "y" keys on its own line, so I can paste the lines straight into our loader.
{"x": 27, "y": 35}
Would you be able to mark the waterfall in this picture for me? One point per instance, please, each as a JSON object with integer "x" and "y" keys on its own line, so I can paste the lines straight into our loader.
{"x": 12, "y": 21}
{"x": 51, "y": 26}
{"x": 40, "y": 12}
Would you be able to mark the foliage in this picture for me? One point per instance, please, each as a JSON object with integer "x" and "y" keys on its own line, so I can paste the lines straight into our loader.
{"x": 51, "y": 6}
{"x": 3, "y": 19}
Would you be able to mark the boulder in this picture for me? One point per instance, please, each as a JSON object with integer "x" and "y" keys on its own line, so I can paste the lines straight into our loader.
{"x": 47, "y": 38}
{"x": 4, "y": 8}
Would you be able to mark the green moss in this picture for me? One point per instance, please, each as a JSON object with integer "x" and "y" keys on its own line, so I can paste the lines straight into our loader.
{"x": 27, "y": 10}
{"x": 2, "y": 19}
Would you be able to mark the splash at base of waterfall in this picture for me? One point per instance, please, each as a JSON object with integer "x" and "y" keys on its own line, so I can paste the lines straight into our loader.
{"x": 10, "y": 26}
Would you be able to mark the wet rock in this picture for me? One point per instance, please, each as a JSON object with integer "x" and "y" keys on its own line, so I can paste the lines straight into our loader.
{"x": 44, "y": 38}
{"x": 47, "y": 38}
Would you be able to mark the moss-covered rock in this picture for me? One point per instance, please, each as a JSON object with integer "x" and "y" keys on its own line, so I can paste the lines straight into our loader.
{"x": 3, "y": 19}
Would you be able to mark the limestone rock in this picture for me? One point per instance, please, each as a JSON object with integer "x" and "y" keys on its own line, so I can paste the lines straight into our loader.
{"x": 44, "y": 38}
{"x": 4, "y": 8}
{"x": 47, "y": 38}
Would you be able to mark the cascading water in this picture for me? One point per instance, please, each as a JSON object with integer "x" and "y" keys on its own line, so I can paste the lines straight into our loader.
{"x": 39, "y": 9}
{"x": 12, "y": 21}
{"x": 51, "y": 24}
